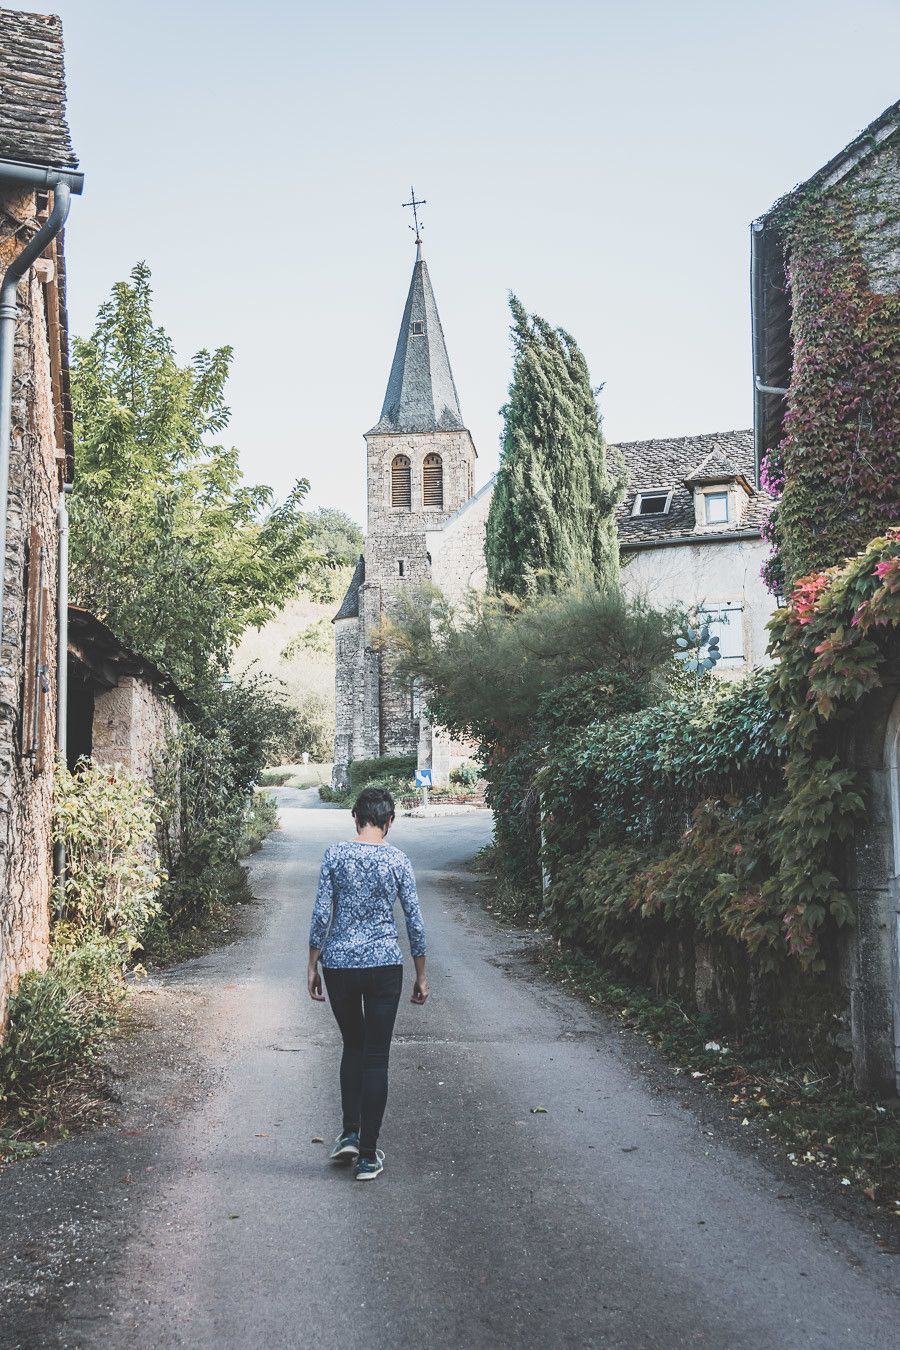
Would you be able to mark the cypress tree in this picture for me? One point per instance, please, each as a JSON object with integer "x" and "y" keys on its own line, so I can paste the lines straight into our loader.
{"x": 552, "y": 517}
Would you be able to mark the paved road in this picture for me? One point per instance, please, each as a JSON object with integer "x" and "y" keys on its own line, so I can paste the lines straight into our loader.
{"x": 612, "y": 1220}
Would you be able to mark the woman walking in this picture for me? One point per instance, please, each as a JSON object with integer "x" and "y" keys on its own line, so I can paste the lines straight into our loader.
{"x": 354, "y": 934}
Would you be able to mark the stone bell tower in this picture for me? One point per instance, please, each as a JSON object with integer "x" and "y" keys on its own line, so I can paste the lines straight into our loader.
{"x": 420, "y": 471}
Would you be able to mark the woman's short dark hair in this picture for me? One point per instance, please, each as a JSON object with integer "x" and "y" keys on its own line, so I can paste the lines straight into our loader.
{"x": 374, "y": 806}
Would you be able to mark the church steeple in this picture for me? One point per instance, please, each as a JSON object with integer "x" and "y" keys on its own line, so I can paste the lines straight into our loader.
{"x": 421, "y": 394}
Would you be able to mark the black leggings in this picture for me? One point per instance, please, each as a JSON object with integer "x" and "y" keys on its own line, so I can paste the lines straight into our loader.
{"x": 364, "y": 1001}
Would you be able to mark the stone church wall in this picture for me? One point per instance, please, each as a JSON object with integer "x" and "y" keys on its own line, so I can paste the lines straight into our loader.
{"x": 26, "y": 793}
{"x": 457, "y": 550}
{"x": 397, "y": 561}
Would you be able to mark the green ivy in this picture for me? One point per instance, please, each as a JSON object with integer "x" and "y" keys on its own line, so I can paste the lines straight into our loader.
{"x": 838, "y": 463}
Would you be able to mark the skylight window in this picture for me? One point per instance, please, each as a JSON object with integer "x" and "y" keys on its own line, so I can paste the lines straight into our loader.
{"x": 655, "y": 502}
{"x": 418, "y": 327}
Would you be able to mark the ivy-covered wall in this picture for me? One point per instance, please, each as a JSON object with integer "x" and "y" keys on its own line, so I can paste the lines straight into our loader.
{"x": 838, "y": 466}
{"x": 709, "y": 843}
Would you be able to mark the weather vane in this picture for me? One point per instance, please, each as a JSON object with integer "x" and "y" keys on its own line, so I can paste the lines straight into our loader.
{"x": 415, "y": 203}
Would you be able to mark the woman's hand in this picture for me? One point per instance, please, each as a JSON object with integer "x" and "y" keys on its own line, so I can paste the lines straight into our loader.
{"x": 420, "y": 990}
{"x": 314, "y": 984}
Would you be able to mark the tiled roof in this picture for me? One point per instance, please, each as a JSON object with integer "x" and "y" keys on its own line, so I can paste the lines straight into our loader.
{"x": 667, "y": 464}
{"x": 33, "y": 127}
{"x": 350, "y": 604}
{"x": 421, "y": 394}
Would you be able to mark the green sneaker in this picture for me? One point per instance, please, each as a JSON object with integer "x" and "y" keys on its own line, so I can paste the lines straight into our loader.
{"x": 367, "y": 1169}
{"x": 346, "y": 1146}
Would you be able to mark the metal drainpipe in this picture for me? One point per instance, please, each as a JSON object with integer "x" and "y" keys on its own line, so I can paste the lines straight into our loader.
{"x": 8, "y": 313}
{"x": 62, "y": 183}
{"x": 62, "y": 662}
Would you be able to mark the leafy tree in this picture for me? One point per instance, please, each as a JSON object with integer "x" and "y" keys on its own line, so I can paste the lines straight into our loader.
{"x": 169, "y": 545}
{"x": 338, "y": 541}
{"x": 552, "y": 517}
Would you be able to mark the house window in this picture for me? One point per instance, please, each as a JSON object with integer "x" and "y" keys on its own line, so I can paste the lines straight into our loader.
{"x": 726, "y": 622}
{"x": 401, "y": 567}
{"x": 433, "y": 483}
{"x": 716, "y": 508}
{"x": 401, "y": 483}
{"x": 652, "y": 503}
{"x": 418, "y": 327}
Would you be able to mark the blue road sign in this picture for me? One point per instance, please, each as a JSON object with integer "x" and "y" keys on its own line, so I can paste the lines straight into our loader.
{"x": 423, "y": 778}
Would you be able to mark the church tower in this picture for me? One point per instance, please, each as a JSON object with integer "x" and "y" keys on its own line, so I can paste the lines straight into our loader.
{"x": 420, "y": 471}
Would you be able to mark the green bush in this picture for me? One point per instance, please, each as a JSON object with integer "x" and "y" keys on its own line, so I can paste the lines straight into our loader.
{"x": 57, "y": 1019}
{"x": 384, "y": 772}
{"x": 260, "y": 819}
{"x": 466, "y": 774}
{"x": 106, "y": 818}
{"x": 205, "y": 781}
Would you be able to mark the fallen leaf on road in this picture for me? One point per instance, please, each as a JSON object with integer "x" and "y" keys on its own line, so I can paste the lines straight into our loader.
{"x": 317, "y": 1139}
{"x": 629, "y": 1148}
{"x": 538, "y": 1110}
{"x": 234, "y": 1216}
{"x": 262, "y": 1136}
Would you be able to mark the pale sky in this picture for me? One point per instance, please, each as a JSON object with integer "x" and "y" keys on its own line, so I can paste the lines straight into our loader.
{"x": 602, "y": 159}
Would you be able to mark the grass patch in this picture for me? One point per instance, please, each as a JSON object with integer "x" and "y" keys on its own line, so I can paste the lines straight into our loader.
{"x": 296, "y": 775}
{"x": 814, "y": 1115}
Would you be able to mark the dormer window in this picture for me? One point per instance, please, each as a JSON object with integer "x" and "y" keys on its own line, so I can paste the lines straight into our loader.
{"x": 654, "y": 502}
{"x": 418, "y": 328}
{"x": 715, "y": 508}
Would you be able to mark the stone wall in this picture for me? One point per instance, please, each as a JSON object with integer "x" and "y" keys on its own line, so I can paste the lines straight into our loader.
{"x": 132, "y": 723}
{"x": 25, "y": 793}
{"x": 457, "y": 548}
{"x": 870, "y": 745}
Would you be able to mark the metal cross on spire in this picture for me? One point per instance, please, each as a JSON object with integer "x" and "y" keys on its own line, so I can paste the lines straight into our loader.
{"x": 415, "y": 203}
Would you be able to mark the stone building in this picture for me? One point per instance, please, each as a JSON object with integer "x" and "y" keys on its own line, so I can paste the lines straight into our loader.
{"x": 424, "y": 524}
{"x": 37, "y": 173}
{"x": 122, "y": 709}
{"x": 866, "y": 176}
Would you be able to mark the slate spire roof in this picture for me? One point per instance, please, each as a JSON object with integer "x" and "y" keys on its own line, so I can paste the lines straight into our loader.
{"x": 421, "y": 394}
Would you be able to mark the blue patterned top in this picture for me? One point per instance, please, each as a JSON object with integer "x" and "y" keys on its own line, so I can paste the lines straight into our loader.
{"x": 353, "y": 917}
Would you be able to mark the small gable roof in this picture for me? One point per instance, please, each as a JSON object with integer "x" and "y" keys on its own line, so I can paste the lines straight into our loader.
{"x": 350, "y": 604}
{"x": 33, "y": 126}
{"x": 716, "y": 467}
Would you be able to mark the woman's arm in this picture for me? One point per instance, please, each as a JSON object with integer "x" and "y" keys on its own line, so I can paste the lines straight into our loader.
{"x": 318, "y": 929}
{"x": 313, "y": 978}
{"x": 420, "y": 988}
{"x": 415, "y": 929}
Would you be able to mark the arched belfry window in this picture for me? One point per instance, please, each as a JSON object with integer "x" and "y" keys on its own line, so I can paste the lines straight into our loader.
{"x": 433, "y": 483}
{"x": 401, "y": 483}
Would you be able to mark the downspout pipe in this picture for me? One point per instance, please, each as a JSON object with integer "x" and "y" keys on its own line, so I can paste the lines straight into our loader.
{"x": 62, "y": 196}
{"x": 757, "y": 316}
{"x": 62, "y": 659}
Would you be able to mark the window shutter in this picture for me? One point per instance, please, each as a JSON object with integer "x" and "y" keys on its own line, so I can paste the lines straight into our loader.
{"x": 401, "y": 483}
{"x": 433, "y": 483}
{"x": 36, "y": 675}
